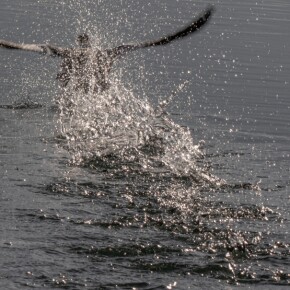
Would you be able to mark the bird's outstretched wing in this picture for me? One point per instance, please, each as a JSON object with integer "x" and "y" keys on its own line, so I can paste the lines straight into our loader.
{"x": 194, "y": 26}
{"x": 40, "y": 48}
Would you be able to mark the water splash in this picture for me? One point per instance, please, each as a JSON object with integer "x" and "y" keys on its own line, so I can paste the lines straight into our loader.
{"x": 116, "y": 129}
{"x": 121, "y": 131}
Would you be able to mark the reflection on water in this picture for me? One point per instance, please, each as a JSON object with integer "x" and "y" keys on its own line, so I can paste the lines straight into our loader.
{"x": 118, "y": 192}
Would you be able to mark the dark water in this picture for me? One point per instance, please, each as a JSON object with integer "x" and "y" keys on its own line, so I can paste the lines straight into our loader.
{"x": 112, "y": 223}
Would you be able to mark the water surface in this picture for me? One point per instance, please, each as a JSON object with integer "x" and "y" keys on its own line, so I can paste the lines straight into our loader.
{"x": 148, "y": 218}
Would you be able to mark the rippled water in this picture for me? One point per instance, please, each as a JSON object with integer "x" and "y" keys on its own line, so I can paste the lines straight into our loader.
{"x": 124, "y": 192}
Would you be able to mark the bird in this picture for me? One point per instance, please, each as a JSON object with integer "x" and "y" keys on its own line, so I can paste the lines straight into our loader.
{"x": 89, "y": 67}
